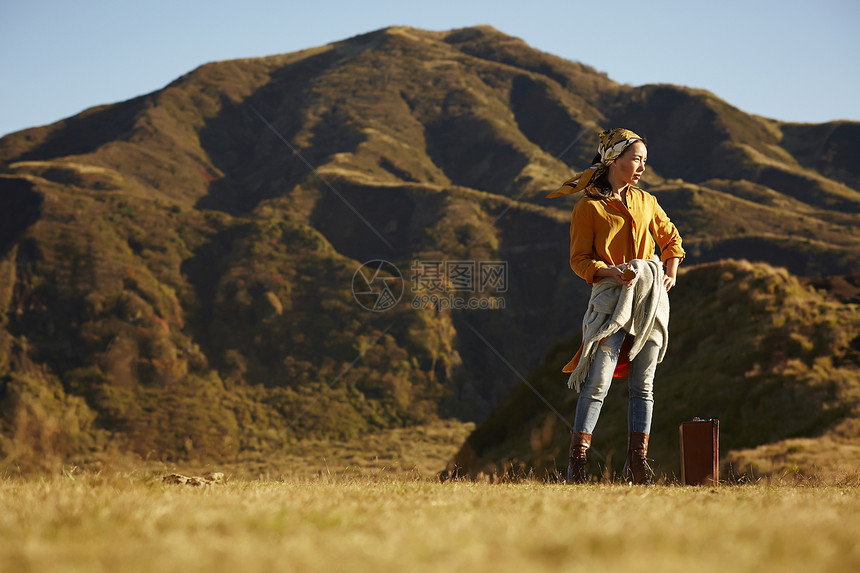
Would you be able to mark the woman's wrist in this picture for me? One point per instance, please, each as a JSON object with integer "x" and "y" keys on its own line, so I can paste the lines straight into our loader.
{"x": 672, "y": 267}
{"x": 671, "y": 272}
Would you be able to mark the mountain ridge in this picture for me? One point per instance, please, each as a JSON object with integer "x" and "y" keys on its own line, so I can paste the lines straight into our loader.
{"x": 189, "y": 253}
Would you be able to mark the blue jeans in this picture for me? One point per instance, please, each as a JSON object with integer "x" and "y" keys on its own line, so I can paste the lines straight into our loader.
{"x": 640, "y": 384}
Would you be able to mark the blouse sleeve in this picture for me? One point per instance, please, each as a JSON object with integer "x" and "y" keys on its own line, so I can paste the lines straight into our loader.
{"x": 583, "y": 259}
{"x": 666, "y": 234}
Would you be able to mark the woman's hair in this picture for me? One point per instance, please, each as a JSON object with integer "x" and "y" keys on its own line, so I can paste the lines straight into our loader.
{"x": 600, "y": 187}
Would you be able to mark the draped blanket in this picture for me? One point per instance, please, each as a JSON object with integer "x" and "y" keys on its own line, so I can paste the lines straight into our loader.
{"x": 641, "y": 309}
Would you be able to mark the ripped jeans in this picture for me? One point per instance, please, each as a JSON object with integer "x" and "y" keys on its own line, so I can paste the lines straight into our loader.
{"x": 640, "y": 384}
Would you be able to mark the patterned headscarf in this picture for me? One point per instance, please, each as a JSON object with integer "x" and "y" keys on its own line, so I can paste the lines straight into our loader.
{"x": 613, "y": 142}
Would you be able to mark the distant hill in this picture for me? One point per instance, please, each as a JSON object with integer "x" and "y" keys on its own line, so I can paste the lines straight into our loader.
{"x": 775, "y": 361}
{"x": 176, "y": 270}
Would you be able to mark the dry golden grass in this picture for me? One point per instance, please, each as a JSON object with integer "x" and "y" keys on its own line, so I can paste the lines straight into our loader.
{"x": 416, "y": 452}
{"x": 828, "y": 459}
{"x": 374, "y": 504}
{"x": 134, "y": 522}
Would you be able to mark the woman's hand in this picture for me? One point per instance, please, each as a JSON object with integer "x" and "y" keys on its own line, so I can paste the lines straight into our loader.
{"x": 616, "y": 273}
{"x": 668, "y": 282}
{"x": 671, "y": 272}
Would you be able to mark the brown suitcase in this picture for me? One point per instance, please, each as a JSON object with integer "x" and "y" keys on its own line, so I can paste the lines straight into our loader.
{"x": 700, "y": 452}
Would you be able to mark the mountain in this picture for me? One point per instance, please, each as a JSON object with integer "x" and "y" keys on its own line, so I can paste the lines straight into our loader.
{"x": 181, "y": 273}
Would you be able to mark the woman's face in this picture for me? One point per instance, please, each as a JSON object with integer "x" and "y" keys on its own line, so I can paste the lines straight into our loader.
{"x": 630, "y": 165}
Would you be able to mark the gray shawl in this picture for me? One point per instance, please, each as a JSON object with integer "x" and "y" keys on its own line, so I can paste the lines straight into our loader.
{"x": 642, "y": 309}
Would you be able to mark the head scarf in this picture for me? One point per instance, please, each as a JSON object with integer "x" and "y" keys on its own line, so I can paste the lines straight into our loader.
{"x": 613, "y": 142}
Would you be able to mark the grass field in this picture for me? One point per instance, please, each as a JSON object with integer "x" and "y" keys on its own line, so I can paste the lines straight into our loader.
{"x": 135, "y": 522}
{"x": 374, "y": 504}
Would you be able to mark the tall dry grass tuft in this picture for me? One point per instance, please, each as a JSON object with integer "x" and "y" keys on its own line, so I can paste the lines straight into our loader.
{"x": 43, "y": 426}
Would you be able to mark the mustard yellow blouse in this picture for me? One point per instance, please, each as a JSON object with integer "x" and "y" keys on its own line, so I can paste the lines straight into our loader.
{"x": 604, "y": 233}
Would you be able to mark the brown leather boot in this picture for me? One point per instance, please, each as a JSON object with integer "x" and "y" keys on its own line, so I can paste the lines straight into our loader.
{"x": 576, "y": 470}
{"x": 636, "y": 468}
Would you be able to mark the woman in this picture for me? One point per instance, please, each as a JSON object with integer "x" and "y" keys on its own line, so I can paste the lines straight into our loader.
{"x": 613, "y": 228}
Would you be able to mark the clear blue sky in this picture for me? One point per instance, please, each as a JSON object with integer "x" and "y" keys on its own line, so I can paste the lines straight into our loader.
{"x": 786, "y": 59}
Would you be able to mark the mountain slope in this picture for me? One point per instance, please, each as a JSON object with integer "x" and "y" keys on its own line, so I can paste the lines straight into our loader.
{"x": 190, "y": 254}
{"x": 773, "y": 360}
